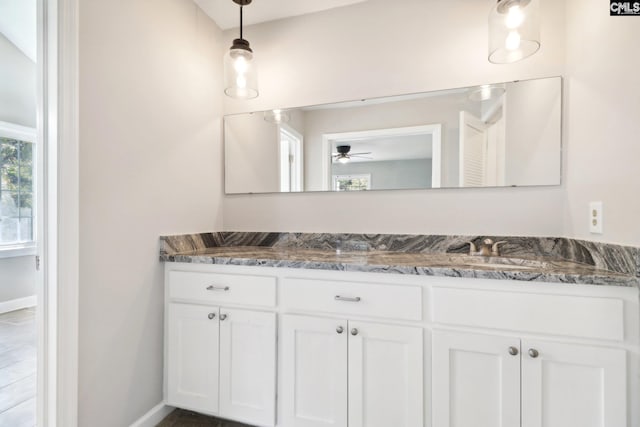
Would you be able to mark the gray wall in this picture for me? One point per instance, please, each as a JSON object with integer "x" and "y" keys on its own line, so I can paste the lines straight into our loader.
{"x": 251, "y": 152}
{"x": 18, "y": 106}
{"x": 17, "y": 278}
{"x": 150, "y": 164}
{"x": 390, "y": 174}
{"x": 17, "y": 85}
{"x": 601, "y": 126}
{"x": 532, "y": 123}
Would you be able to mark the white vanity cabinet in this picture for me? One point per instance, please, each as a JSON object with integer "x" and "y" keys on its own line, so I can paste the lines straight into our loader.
{"x": 193, "y": 355}
{"x": 221, "y": 360}
{"x": 288, "y": 347}
{"x": 339, "y": 372}
{"x": 357, "y": 367}
{"x": 487, "y": 381}
{"x": 530, "y": 377}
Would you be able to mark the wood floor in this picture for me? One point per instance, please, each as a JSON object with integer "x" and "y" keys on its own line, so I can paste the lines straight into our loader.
{"x": 182, "y": 418}
{"x": 18, "y": 378}
{"x": 18, "y": 368}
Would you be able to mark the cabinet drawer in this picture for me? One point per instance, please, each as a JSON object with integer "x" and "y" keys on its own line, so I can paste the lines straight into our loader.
{"x": 570, "y": 315}
{"x": 223, "y": 288}
{"x": 353, "y": 298}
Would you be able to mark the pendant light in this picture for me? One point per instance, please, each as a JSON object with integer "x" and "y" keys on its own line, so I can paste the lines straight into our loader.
{"x": 514, "y": 30}
{"x": 240, "y": 75}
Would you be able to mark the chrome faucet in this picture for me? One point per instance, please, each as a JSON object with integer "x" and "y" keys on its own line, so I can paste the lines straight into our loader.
{"x": 488, "y": 248}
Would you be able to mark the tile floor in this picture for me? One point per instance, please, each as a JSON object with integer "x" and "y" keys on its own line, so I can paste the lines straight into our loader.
{"x": 18, "y": 368}
{"x": 182, "y": 418}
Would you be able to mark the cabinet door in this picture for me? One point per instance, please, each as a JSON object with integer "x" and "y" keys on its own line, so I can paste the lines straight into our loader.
{"x": 385, "y": 375}
{"x": 476, "y": 380}
{"x": 573, "y": 386}
{"x": 314, "y": 372}
{"x": 248, "y": 366}
{"x": 192, "y": 357}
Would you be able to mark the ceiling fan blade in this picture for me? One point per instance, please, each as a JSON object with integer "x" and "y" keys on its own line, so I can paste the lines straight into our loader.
{"x": 359, "y": 154}
{"x": 362, "y": 157}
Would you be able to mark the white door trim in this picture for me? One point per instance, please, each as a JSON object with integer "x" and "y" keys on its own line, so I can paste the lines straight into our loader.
{"x": 58, "y": 221}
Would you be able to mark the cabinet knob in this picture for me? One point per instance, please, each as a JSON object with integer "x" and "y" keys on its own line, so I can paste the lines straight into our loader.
{"x": 223, "y": 317}
{"x": 354, "y": 332}
{"x": 211, "y": 316}
{"x": 533, "y": 353}
{"x": 339, "y": 329}
{"x": 513, "y": 351}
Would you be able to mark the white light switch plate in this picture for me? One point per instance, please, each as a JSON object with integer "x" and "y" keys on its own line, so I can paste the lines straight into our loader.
{"x": 595, "y": 217}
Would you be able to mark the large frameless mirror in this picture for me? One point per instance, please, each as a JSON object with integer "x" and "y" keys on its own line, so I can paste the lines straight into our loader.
{"x": 497, "y": 135}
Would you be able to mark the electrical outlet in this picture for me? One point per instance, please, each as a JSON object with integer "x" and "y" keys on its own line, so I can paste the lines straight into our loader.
{"x": 595, "y": 217}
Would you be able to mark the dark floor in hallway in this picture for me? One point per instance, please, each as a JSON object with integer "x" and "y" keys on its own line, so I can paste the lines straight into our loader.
{"x": 182, "y": 418}
{"x": 18, "y": 368}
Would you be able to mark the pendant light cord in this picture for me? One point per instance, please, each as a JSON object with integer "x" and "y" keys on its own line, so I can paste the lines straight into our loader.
{"x": 241, "y": 22}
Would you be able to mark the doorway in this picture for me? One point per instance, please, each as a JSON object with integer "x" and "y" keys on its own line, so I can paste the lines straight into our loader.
{"x": 40, "y": 214}
{"x": 382, "y": 154}
{"x": 18, "y": 212}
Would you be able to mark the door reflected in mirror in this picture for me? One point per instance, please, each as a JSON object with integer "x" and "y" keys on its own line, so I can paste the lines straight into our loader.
{"x": 486, "y": 136}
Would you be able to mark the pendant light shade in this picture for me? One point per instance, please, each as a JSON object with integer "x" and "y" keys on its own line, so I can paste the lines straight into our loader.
{"x": 240, "y": 73}
{"x": 276, "y": 116}
{"x": 514, "y": 30}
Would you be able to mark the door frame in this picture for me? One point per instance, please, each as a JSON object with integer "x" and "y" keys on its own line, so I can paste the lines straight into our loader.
{"x": 58, "y": 213}
{"x": 434, "y": 130}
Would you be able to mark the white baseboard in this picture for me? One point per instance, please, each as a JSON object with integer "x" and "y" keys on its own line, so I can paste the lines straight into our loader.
{"x": 18, "y": 304}
{"x": 154, "y": 416}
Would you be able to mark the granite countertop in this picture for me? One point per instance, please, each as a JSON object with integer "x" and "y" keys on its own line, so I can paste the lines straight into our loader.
{"x": 538, "y": 268}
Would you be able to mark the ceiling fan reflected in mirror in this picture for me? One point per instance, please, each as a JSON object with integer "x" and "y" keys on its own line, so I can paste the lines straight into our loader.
{"x": 343, "y": 154}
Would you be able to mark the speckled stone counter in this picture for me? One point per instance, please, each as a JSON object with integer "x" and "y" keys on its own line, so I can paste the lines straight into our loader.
{"x": 554, "y": 260}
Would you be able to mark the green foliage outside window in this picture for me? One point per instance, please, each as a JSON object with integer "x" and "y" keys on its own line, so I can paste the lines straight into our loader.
{"x": 16, "y": 171}
{"x": 16, "y": 190}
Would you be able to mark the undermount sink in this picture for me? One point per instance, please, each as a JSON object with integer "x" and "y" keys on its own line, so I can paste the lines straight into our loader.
{"x": 499, "y": 262}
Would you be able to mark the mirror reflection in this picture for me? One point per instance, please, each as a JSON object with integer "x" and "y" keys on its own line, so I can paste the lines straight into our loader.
{"x": 494, "y": 135}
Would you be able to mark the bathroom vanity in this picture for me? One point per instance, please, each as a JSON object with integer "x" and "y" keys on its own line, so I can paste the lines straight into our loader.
{"x": 291, "y": 335}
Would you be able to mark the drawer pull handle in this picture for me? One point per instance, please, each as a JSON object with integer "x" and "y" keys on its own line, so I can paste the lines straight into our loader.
{"x": 223, "y": 317}
{"x": 339, "y": 329}
{"x": 533, "y": 353}
{"x": 217, "y": 288}
{"x": 348, "y": 299}
{"x": 211, "y": 316}
{"x": 354, "y": 332}
{"x": 513, "y": 351}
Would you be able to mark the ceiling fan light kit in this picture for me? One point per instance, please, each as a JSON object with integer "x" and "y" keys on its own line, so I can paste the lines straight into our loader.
{"x": 344, "y": 154}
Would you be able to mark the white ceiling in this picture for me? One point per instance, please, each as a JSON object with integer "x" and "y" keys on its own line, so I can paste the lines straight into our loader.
{"x": 402, "y": 147}
{"x": 18, "y": 23}
{"x": 225, "y": 12}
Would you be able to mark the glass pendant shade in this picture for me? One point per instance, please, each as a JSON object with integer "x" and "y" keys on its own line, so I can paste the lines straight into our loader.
{"x": 514, "y": 30}
{"x": 276, "y": 116}
{"x": 240, "y": 74}
{"x": 486, "y": 93}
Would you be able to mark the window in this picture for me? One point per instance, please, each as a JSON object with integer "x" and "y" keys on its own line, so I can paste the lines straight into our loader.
{"x": 351, "y": 182}
{"x": 291, "y": 168}
{"x": 17, "y": 197}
